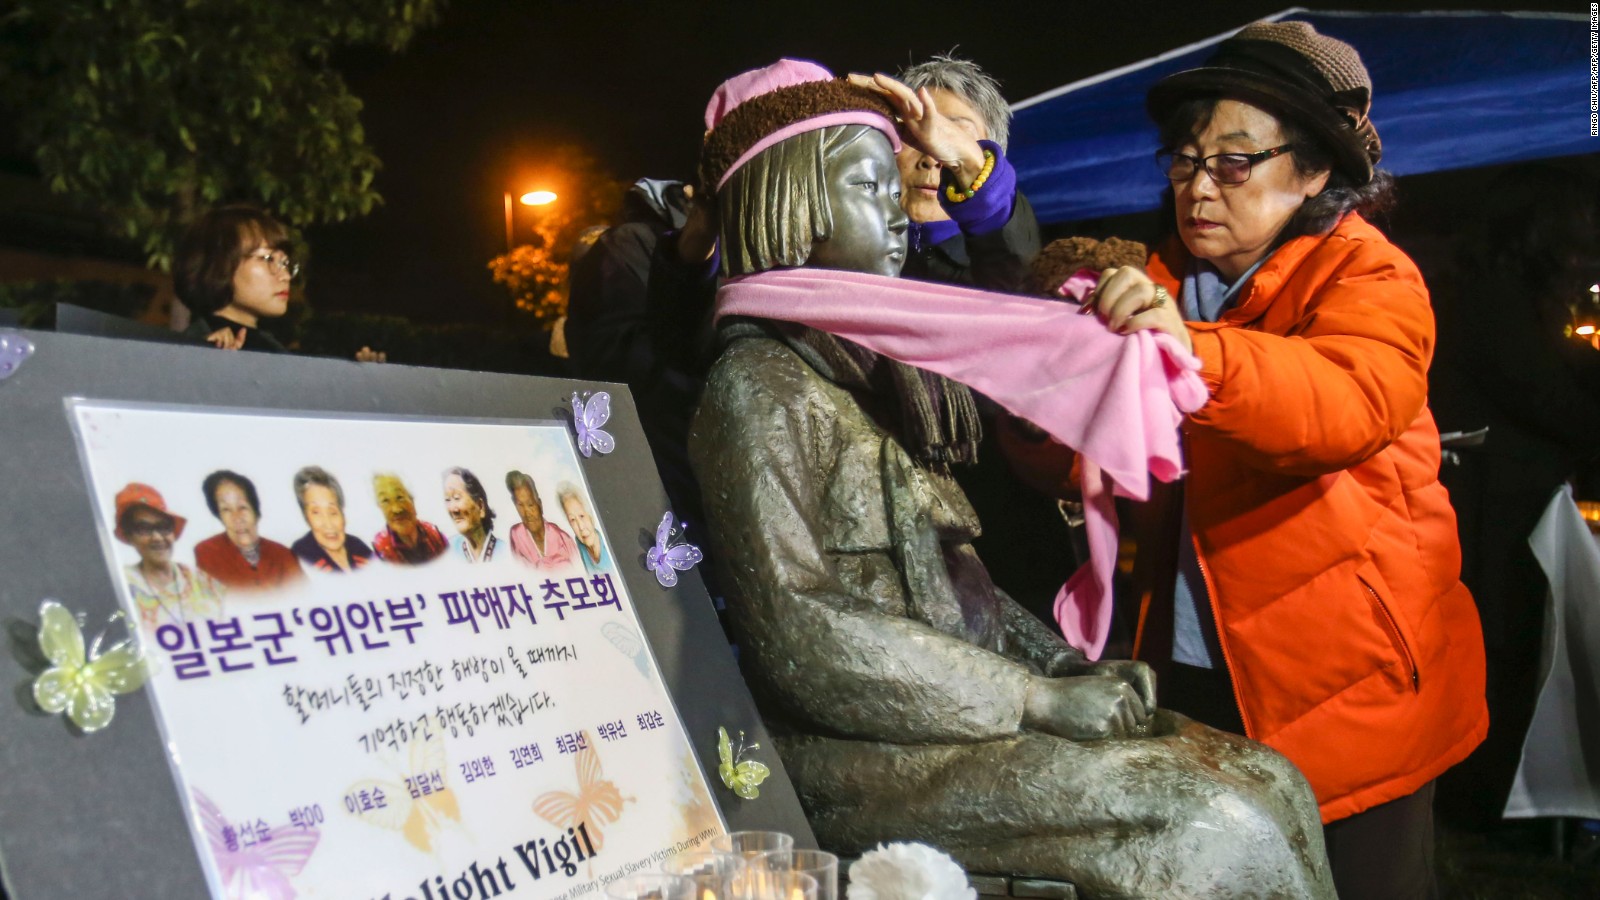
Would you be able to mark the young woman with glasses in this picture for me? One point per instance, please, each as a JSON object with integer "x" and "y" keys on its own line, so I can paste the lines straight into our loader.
{"x": 232, "y": 270}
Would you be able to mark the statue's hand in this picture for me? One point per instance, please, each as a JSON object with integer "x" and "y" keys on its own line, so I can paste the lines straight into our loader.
{"x": 1084, "y": 708}
{"x": 1138, "y": 675}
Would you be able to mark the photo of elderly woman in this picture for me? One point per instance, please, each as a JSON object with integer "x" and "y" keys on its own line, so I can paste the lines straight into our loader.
{"x": 405, "y": 539}
{"x": 536, "y": 540}
{"x": 468, "y": 505}
{"x": 163, "y": 591}
{"x": 590, "y": 549}
{"x": 326, "y": 547}
{"x": 240, "y": 557}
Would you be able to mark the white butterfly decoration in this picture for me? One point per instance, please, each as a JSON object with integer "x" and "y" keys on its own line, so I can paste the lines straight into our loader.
{"x": 587, "y": 417}
{"x": 84, "y": 685}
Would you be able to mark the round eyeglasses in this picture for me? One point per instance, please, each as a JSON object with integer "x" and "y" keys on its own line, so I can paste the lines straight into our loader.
{"x": 1224, "y": 168}
{"x": 278, "y": 262}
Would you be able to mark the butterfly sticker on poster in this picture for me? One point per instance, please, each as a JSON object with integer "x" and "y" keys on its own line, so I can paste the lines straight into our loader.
{"x": 408, "y": 802}
{"x": 586, "y": 812}
{"x": 254, "y": 859}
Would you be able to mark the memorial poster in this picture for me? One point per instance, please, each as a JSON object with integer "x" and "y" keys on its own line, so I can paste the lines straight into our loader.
{"x": 371, "y": 678}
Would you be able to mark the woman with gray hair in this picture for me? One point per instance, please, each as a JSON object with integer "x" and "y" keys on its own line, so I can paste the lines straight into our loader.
{"x": 326, "y": 547}
{"x": 974, "y": 229}
{"x": 969, "y": 223}
{"x": 591, "y": 550}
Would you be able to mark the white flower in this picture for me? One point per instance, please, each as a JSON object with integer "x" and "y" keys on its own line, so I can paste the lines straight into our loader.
{"x": 908, "y": 871}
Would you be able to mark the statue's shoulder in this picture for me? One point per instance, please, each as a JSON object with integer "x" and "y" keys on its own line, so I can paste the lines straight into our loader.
{"x": 761, "y": 370}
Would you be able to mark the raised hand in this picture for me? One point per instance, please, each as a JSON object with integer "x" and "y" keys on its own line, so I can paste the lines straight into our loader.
{"x": 953, "y": 144}
{"x": 226, "y": 339}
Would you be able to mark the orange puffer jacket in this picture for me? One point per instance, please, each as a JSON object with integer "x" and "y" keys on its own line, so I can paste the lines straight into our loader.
{"x": 1327, "y": 542}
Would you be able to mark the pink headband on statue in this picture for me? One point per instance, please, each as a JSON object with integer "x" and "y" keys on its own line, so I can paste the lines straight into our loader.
{"x": 776, "y": 94}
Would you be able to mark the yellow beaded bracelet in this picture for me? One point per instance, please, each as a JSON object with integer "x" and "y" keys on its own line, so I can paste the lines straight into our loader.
{"x": 955, "y": 196}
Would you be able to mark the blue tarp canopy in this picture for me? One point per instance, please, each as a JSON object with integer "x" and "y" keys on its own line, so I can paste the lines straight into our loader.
{"x": 1451, "y": 91}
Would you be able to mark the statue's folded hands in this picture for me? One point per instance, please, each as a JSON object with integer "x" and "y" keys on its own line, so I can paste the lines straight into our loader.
{"x": 1084, "y": 708}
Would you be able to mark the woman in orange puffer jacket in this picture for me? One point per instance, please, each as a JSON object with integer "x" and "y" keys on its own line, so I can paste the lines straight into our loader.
{"x": 1305, "y": 577}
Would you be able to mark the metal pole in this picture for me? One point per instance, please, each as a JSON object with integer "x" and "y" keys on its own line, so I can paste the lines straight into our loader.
{"x": 508, "y": 221}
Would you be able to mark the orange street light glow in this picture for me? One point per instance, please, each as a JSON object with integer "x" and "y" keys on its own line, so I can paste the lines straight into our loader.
{"x": 1585, "y": 330}
{"x": 538, "y": 198}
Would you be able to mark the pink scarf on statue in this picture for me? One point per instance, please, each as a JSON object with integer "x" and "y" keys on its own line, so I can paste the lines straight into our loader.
{"x": 1115, "y": 399}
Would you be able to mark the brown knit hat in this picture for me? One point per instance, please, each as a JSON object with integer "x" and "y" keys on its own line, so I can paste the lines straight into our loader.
{"x": 1290, "y": 70}
{"x": 756, "y": 109}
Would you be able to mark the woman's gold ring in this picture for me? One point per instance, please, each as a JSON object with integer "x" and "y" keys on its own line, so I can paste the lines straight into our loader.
{"x": 1161, "y": 299}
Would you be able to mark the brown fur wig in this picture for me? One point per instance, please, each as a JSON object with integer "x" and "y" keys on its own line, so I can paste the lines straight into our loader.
{"x": 1061, "y": 259}
{"x": 760, "y": 116}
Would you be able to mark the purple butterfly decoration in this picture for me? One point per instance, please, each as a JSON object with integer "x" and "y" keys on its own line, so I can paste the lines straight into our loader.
{"x": 587, "y": 419}
{"x": 663, "y": 559}
{"x": 262, "y": 870}
{"x": 14, "y": 349}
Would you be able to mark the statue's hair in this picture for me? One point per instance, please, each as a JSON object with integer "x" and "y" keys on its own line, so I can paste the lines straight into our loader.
{"x": 774, "y": 208}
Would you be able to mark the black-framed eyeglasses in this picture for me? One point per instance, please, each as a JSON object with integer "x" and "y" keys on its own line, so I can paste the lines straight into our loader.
{"x": 1224, "y": 168}
{"x": 278, "y": 262}
{"x": 146, "y": 529}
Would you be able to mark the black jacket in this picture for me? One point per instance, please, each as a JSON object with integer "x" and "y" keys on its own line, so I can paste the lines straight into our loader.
{"x": 997, "y": 261}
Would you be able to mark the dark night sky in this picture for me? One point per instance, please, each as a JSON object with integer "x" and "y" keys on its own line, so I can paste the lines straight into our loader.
{"x": 471, "y": 107}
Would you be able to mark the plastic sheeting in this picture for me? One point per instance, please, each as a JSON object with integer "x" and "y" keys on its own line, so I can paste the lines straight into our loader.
{"x": 1451, "y": 91}
{"x": 1560, "y": 771}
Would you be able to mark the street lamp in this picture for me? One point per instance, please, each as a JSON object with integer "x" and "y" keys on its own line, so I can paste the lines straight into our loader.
{"x": 532, "y": 198}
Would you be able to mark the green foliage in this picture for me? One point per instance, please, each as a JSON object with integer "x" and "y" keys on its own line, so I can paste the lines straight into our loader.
{"x": 36, "y": 301}
{"x": 150, "y": 110}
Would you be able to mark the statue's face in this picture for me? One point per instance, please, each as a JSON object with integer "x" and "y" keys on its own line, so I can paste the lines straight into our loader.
{"x": 869, "y": 227}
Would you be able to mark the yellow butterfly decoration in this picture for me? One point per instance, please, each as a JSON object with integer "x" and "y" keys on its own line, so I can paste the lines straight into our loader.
{"x": 84, "y": 686}
{"x": 740, "y": 774}
{"x": 597, "y": 803}
{"x": 418, "y": 819}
